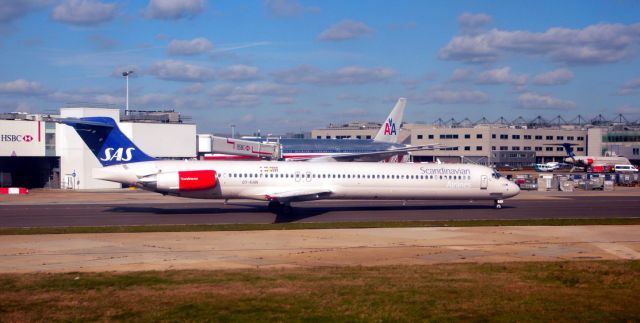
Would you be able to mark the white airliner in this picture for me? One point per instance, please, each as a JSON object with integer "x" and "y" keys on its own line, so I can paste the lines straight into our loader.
{"x": 383, "y": 147}
{"x": 591, "y": 162}
{"x": 281, "y": 183}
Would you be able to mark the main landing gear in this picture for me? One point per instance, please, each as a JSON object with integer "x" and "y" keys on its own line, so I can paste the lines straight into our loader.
{"x": 280, "y": 208}
{"x": 498, "y": 204}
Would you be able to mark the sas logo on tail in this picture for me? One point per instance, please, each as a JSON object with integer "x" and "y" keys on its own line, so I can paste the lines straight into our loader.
{"x": 390, "y": 127}
{"x": 111, "y": 154}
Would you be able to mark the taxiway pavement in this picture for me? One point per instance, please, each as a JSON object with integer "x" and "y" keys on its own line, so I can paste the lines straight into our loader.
{"x": 60, "y": 209}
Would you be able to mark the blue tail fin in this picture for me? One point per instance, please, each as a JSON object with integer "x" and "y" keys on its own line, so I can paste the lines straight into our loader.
{"x": 106, "y": 141}
{"x": 568, "y": 149}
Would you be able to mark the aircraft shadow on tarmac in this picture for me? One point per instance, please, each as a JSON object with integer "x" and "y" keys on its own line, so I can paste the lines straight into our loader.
{"x": 300, "y": 212}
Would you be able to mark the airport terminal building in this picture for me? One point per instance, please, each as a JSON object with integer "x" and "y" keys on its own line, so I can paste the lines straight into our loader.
{"x": 502, "y": 143}
{"x": 37, "y": 152}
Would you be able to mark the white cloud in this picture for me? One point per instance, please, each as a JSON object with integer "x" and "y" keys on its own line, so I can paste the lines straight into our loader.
{"x": 470, "y": 23}
{"x": 452, "y": 96}
{"x": 174, "y": 9}
{"x": 287, "y": 8}
{"x": 283, "y": 100}
{"x": 595, "y": 44}
{"x": 501, "y": 76}
{"x": 238, "y": 73}
{"x": 83, "y": 12}
{"x": 189, "y": 47}
{"x": 628, "y": 109}
{"x": 531, "y": 100}
{"x": 555, "y": 77}
{"x": 13, "y": 9}
{"x": 249, "y": 94}
{"x": 345, "y": 75}
{"x": 344, "y": 30}
{"x": 173, "y": 70}
{"x": 21, "y": 86}
{"x": 630, "y": 87}
{"x": 461, "y": 75}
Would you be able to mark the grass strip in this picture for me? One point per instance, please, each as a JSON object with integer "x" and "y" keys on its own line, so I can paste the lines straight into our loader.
{"x": 315, "y": 225}
{"x": 582, "y": 291}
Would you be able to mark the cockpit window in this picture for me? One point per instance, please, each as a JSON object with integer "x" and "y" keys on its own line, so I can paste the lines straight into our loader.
{"x": 495, "y": 174}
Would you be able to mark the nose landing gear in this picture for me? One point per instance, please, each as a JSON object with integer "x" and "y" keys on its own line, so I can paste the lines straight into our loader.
{"x": 498, "y": 204}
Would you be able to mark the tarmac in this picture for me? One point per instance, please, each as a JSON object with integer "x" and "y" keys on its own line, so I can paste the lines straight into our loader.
{"x": 43, "y": 208}
{"x": 306, "y": 248}
{"x": 313, "y": 248}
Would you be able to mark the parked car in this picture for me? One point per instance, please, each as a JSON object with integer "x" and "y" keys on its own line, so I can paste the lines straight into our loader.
{"x": 625, "y": 169}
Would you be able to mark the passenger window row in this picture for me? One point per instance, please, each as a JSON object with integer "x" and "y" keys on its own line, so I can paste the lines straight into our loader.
{"x": 344, "y": 176}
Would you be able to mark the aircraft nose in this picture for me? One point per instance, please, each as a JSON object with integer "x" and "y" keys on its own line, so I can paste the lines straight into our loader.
{"x": 512, "y": 189}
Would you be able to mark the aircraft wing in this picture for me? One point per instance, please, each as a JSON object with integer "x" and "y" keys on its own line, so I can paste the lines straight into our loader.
{"x": 297, "y": 195}
{"x": 374, "y": 156}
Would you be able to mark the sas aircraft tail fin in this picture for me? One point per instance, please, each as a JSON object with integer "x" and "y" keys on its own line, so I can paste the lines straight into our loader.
{"x": 391, "y": 126}
{"x": 106, "y": 141}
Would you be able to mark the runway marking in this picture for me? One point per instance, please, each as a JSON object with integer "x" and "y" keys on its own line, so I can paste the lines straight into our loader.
{"x": 618, "y": 250}
{"x": 615, "y": 248}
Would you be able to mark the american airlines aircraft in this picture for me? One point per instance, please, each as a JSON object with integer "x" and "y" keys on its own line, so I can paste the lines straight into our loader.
{"x": 384, "y": 146}
{"x": 281, "y": 183}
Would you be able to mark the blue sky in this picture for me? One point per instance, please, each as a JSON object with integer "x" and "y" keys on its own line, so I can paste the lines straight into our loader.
{"x": 290, "y": 65}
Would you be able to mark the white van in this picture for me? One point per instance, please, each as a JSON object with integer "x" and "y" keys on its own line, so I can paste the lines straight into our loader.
{"x": 625, "y": 169}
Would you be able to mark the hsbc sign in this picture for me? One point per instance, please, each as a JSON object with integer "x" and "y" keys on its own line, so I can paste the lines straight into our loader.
{"x": 16, "y": 138}
{"x": 22, "y": 138}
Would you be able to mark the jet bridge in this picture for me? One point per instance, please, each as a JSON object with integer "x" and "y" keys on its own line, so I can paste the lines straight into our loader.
{"x": 209, "y": 145}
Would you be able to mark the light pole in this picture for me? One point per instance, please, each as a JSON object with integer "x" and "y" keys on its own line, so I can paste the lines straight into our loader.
{"x": 126, "y": 75}
{"x": 233, "y": 130}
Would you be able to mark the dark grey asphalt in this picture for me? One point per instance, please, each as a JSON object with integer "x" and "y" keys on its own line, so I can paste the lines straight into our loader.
{"x": 106, "y": 214}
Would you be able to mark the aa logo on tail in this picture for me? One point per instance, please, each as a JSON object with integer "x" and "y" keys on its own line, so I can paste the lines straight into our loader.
{"x": 390, "y": 128}
{"x": 111, "y": 154}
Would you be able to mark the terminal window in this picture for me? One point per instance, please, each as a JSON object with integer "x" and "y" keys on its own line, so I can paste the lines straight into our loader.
{"x": 430, "y": 136}
{"x": 467, "y": 136}
{"x": 515, "y": 148}
{"x": 478, "y": 147}
{"x": 504, "y": 136}
{"x": 527, "y": 148}
{"x": 467, "y": 148}
{"x": 504, "y": 148}
{"x": 527, "y": 137}
{"x": 559, "y": 148}
{"x": 549, "y": 137}
{"x": 580, "y": 138}
{"x": 636, "y": 151}
{"x": 515, "y": 136}
{"x": 479, "y": 136}
{"x": 580, "y": 148}
{"x": 570, "y": 138}
{"x": 493, "y": 136}
{"x": 548, "y": 148}
{"x": 560, "y": 137}
{"x": 538, "y": 137}
{"x": 419, "y": 137}
{"x": 538, "y": 148}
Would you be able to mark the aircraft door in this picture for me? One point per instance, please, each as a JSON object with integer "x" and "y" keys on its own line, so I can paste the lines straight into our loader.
{"x": 297, "y": 176}
{"x": 484, "y": 182}
{"x": 308, "y": 176}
